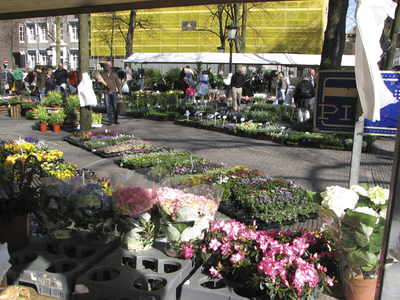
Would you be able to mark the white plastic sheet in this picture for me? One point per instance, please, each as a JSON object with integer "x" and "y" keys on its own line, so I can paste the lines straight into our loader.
{"x": 227, "y": 80}
{"x": 4, "y": 258}
{"x": 86, "y": 92}
{"x": 373, "y": 93}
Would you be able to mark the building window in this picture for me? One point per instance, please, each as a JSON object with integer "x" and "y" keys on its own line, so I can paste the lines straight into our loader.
{"x": 74, "y": 60}
{"x": 43, "y": 59}
{"x": 74, "y": 32}
{"x": 61, "y": 31}
{"x": 31, "y": 33}
{"x": 21, "y": 32}
{"x": 43, "y": 33}
{"x": 32, "y": 60}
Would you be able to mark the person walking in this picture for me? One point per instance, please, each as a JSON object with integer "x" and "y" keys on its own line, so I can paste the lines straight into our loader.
{"x": 30, "y": 80}
{"x": 17, "y": 77}
{"x": 40, "y": 82}
{"x": 282, "y": 87}
{"x": 237, "y": 88}
{"x": 303, "y": 93}
{"x": 312, "y": 77}
{"x": 3, "y": 80}
{"x": 62, "y": 79}
{"x": 10, "y": 80}
{"x": 128, "y": 77}
{"x": 50, "y": 82}
{"x": 110, "y": 80}
{"x": 73, "y": 78}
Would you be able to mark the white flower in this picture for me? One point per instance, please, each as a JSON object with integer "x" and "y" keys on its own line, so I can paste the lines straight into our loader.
{"x": 378, "y": 195}
{"x": 339, "y": 199}
{"x": 382, "y": 213}
{"x": 367, "y": 210}
{"x": 359, "y": 190}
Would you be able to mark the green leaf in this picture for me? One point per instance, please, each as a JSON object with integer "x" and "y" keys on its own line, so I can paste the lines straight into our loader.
{"x": 364, "y": 185}
{"x": 360, "y": 218}
{"x": 315, "y": 196}
{"x": 361, "y": 239}
{"x": 172, "y": 233}
{"x": 361, "y": 258}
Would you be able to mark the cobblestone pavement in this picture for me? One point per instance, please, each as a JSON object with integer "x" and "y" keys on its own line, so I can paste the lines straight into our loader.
{"x": 311, "y": 168}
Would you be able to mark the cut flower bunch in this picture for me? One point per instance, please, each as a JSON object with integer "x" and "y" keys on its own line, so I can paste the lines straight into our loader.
{"x": 274, "y": 264}
{"x": 355, "y": 219}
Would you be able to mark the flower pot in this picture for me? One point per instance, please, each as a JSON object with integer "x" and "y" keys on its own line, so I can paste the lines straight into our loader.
{"x": 43, "y": 127}
{"x": 15, "y": 234}
{"x": 172, "y": 251}
{"x": 360, "y": 289}
{"x": 55, "y": 106}
{"x": 15, "y": 111}
{"x": 56, "y": 127}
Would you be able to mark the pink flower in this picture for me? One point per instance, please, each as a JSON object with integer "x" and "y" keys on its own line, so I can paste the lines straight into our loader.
{"x": 187, "y": 250}
{"x": 214, "y": 272}
{"x": 225, "y": 248}
{"x": 236, "y": 258}
{"x": 214, "y": 244}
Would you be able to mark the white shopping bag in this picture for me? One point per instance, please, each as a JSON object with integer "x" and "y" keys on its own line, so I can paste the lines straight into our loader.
{"x": 125, "y": 88}
{"x": 227, "y": 80}
{"x": 86, "y": 92}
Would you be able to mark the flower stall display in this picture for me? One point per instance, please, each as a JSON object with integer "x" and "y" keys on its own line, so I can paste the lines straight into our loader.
{"x": 269, "y": 264}
{"x": 134, "y": 201}
{"x": 185, "y": 213}
{"x": 96, "y": 120}
{"x": 355, "y": 218}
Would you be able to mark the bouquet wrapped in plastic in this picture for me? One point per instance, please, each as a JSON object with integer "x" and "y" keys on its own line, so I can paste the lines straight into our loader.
{"x": 355, "y": 219}
{"x": 93, "y": 214}
{"x": 56, "y": 207}
{"x": 134, "y": 202}
{"x": 185, "y": 212}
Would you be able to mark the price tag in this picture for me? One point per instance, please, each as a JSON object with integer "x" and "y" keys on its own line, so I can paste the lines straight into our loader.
{"x": 148, "y": 105}
{"x": 234, "y": 117}
{"x": 167, "y": 106}
{"x": 241, "y": 119}
{"x": 157, "y": 104}
{"x": 187, "y": 103}
{"x": 219, "y": 117}
{"x": 224, "y": 117}
{"x": 200, "y": 114}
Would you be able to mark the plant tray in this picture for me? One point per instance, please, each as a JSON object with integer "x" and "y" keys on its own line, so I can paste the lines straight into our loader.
{"x": 146, "y": 275}
{"x": 53, "y": 265}
{"x": 73, "y": 142}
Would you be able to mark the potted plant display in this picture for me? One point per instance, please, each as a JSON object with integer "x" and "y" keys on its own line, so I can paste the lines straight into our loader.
{"x": 41, "y": 115}
{"x": 56, "y": 119}
{"x": 53, "y": 99}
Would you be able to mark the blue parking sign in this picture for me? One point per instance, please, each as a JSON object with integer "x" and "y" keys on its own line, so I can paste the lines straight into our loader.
{"x": 335, "y": 104}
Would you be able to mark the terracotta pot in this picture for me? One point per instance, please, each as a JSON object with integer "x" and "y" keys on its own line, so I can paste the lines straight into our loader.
{"x": 56, "y": 128}
{"x": 55, "y": 106}
{"x": 360, "y": 289}
{"x": 15, "y": 234}
{"x": 43, "y": 127}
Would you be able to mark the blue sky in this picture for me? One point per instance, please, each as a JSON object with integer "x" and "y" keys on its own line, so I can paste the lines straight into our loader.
{"x": 351, "y": 20}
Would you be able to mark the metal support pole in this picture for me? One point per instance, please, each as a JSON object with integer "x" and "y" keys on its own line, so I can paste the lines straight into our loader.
{"x": 229, "y": 92}
{"x": 357, "y": 145}
{"x": 389, "y": 266}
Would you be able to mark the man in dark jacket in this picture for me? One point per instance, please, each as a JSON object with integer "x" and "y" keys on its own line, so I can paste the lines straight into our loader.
{"x": 237, "y": 88}
{"x": 40, "y": 82}
{"x": 303, "y": 93}
{"x": 62, "y": 79}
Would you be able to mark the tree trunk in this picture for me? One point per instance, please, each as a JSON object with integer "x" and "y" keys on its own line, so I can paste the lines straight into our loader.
{"x": 129, "y": 35}
{"x": 222, "y": 29}
{"x": 58, "y": 40}
{"x": 335, "y": 35}
{"x": 86, "y": 114}
{"x": 390, "y": 31}
{"x": 241, "y": 33}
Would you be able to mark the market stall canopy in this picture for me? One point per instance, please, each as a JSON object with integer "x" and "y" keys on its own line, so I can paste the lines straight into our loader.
{"x": 284, "y": 59}
{"x": 18, "y": 9}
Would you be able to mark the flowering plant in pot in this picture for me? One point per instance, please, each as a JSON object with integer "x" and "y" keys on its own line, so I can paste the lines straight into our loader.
{"x": 269, "y": 264}
{"x": 41, "y": 115}
{"x": 53, "y": 98}
{"x": 355, "y": 219}
{"x": 57, "y": 117}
